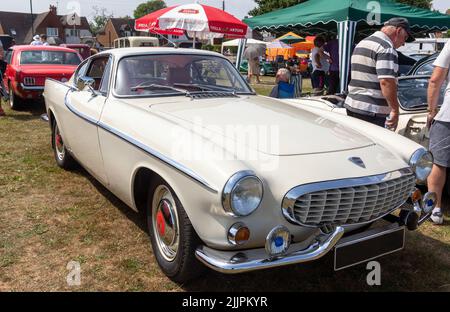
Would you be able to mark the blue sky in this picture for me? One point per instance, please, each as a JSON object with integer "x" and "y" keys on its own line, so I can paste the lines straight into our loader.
{"x": 239, "y": 8}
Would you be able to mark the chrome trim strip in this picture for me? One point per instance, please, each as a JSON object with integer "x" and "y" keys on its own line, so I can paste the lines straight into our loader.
{"x": 237, "y": 261}
{"x": 31, "y": 88}
{"x": 139, "y": 145}
{"x": 289, "y": 199}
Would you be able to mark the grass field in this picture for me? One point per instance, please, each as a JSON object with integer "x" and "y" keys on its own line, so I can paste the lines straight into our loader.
{"x": 50, "y": 217}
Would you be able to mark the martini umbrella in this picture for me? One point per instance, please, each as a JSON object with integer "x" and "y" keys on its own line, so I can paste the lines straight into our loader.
{"x": 196, "y": 18}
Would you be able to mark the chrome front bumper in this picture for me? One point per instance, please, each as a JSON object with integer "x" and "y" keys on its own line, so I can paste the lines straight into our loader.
{"x": 255, "y": 259}
{"x": 31, "y": 88}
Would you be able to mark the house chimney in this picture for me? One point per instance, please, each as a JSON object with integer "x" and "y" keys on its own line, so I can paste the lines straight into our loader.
{"x": 53, "y": 9}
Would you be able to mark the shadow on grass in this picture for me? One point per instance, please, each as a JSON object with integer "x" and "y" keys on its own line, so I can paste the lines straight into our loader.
{"x": 30, "y": 110}
{"x": 135, "y": 217}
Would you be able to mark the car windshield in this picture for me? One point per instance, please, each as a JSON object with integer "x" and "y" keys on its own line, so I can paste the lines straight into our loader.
{"x": 49, "y": 57}
{"x": 176, "y": 74}
{"x": 412, "y": 93}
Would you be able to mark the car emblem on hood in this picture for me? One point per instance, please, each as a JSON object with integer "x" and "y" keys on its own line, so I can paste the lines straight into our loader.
{"x": 357, "y": 161}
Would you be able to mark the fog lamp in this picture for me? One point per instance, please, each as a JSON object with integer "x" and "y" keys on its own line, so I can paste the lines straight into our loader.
{"x": 429, "y": 202}
{"x": 278, "y": 241}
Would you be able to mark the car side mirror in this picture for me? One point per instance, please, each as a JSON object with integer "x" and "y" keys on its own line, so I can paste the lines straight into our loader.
{"x": 84, "y": 82}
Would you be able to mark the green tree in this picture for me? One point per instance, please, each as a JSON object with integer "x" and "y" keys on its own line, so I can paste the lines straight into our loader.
{"x": 148, "y": 7}
{"x": 424, "y": 4}
{"x": 101, "y": 16}
{"x": 265, "y": 6}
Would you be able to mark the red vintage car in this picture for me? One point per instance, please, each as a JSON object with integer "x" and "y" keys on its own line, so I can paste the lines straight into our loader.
{"x": 29, "y": 66}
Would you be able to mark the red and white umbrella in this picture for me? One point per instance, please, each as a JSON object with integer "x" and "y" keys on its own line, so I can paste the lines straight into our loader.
{"x": 197, "y": 18}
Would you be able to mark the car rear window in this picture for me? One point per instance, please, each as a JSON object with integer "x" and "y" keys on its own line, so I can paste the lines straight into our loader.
{"x": 49, "y": 57}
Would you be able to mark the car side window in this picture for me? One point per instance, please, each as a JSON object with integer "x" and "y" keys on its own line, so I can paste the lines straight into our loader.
{"x": 425, "y": 69}
{"x": 96, "y": 70}
{"x": 104, "y": 84}
{"x": 80, "y": 72}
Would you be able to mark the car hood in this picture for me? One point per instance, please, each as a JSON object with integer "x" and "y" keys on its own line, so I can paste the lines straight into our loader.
{"x": 264, "y": 124}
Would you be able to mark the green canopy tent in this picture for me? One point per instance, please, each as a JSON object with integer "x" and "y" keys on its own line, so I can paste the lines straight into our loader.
{"x": 346, "y": 17}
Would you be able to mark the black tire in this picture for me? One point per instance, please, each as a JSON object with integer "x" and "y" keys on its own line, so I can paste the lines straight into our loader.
{"x": 180, "y": 266}
{"x": 15, "y": 102}
{"x": 62, "y": 155}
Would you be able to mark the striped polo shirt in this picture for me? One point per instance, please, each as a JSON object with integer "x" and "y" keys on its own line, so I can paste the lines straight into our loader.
{"x": 374, "y": 58}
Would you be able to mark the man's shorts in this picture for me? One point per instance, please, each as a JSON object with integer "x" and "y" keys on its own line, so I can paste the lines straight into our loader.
{"x": 440, "y": 143}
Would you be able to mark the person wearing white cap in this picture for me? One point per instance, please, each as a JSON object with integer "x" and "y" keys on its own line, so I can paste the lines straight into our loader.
{"x": 36, "y": 40}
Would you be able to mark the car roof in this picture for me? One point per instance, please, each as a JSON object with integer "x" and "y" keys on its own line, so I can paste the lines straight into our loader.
{"x": 121, "y": 52}
{"x": 41, "y": 48}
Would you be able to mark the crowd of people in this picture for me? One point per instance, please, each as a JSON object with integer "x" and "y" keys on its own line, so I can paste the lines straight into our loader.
{"x": 324, "y": 72}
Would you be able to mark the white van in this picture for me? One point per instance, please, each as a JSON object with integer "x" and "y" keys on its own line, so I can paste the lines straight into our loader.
{"x": 126, "y": 42}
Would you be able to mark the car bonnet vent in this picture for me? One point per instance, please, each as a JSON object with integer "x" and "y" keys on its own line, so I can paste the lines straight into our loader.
{"x": 210, "y": 94}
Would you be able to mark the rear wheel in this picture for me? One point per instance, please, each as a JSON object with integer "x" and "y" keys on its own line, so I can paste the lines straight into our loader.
{"x": 172, "y": 236}
{"x": 15, "y": 102}
{"x": 62, "y": 156}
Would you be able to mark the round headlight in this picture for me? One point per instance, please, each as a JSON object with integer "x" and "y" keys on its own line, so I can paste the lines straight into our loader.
{"x": 242, "y": 193}
{"x": 421, "y": 163}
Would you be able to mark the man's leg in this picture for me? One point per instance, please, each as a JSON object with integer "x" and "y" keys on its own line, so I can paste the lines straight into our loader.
{"x": 440, "y": 148}
{"x": 436, "y": 182}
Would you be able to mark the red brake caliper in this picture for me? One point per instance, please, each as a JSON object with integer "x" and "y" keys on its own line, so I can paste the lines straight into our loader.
{"x": 58, "y": 139}
{"x": 160, "y": 223}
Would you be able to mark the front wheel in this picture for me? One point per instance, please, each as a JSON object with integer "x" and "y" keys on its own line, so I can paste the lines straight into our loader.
{"x": 62, "y": 156}
{"x": 171, "y": 233}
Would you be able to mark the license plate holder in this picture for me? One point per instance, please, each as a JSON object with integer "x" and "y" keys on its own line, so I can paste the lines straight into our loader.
{"x": 362, "y": 247}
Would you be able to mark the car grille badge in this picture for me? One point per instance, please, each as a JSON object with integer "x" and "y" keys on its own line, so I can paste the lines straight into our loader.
{"x": 357, "y": 161}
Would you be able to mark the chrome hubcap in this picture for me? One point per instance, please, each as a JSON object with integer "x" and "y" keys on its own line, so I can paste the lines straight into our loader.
{"x": 165, "y": 222}
{"x": 59, "y": 145}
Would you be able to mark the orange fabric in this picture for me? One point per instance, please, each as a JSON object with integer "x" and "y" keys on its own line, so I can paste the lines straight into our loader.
{"x": 307, "y": 45}
{"x": 286, "y": 52}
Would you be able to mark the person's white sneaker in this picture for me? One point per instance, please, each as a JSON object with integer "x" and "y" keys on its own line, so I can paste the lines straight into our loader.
{"x": 437, "y": 216}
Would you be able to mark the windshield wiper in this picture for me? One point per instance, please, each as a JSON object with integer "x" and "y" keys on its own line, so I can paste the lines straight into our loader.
{"x": 194, "y": 85}
{"x": 158, "y": 86}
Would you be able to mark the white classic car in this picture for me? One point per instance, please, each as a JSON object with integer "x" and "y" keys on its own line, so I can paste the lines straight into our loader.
{"x": 230, "y": 179}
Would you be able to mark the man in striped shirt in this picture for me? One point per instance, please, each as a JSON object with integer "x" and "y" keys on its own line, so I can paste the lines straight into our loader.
{"x": 374, "y": 66}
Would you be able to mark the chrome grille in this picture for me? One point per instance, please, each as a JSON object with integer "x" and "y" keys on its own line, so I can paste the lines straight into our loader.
{"x": 29, "y": 81}
{"x": 349, "y": 204}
